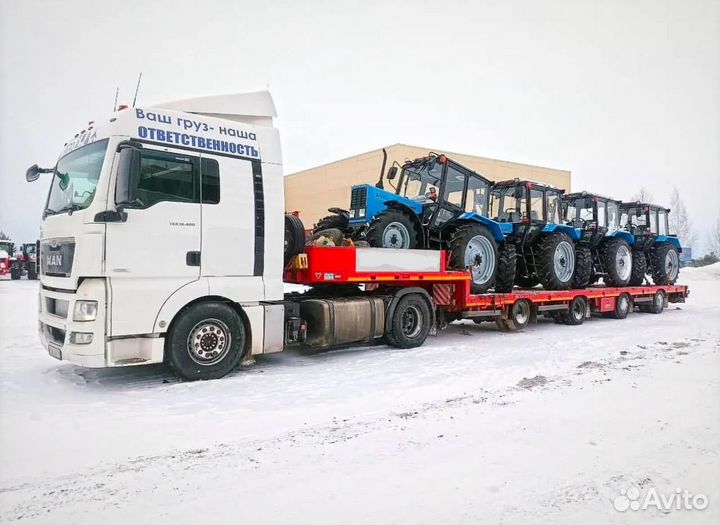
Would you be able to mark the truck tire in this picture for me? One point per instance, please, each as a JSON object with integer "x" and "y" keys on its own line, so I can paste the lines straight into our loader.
{"x": 32, "y": 273}
{"x": 623, "y": 305}
{"x": 506, "y": 268}
{"x": 473, "y": 247}
{"x": 639, "y": 268}
{"x": 15, "y": 273}
{"x": 583, "y": 267}
{"x": 658, "y": 303}
{"x": 206, "y": 341}
{"x": 516, "y": 318}
{"x": 331, "y": 221}
{"x": 410, "y": 323}
{"x": 556, "y": 261}
{"x": 392, "y": 228}
{"x": 294, "y": 237}
{"x": 664, "y": 264}
{"x": 576, "y": 311}
{"x": 617, "y": 260}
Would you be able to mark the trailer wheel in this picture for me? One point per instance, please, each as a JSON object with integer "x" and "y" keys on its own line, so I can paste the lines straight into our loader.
{"x": 617, "y": 261}
{"x": 206, "y": 341}
{"x": 392, "y": 228}
{"x": 576, "y": 311}
{"x": 623, "y": 305}
{"x": 639, "y": 268}
{"x": 583, "y": 267}
{"x": 507, "y": 267}
{"x": 518, "y": 316}
{"x": 664, "y": 264}
{"x": 658, "y": 303}
{"x": 410, "y": 323}
{"x": 556, "y": 261}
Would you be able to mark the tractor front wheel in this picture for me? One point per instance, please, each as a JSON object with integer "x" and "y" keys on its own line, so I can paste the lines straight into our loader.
{"x": 392, "y": 229}
{"x": 556, "y": 261}
{"x": 473, "y": 247}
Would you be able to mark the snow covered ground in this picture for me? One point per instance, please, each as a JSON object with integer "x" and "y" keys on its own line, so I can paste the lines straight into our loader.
{"x": 547, "y": 425}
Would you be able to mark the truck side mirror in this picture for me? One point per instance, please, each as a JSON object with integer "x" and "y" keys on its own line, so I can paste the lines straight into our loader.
{"x": 33, "y": 173}
{"x": 127, "y": 176}
{"x": 392, "y": 173}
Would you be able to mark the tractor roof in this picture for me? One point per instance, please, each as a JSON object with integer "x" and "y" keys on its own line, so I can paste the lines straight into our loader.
{"x": 638, "y": 204}
{"x": 588, "y": 194}
{"x": 517, "y": 182}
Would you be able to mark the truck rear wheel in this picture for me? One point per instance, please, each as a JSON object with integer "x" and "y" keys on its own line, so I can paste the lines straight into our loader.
{"x": 639, "y": 268}
{"x": 664, "y": 264}
{"x": 392, "y": 228}
{"x": 474, "y": 248}
{"x": 410, "y": 322}
{"x": 576, "y": 311}
{"x": 617, "y": 261}
{"x": 206, "y": 341}
{"x": 556, "y": 261}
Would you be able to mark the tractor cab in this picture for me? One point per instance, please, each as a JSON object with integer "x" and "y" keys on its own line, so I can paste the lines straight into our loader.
{"x": 596, "y": 216}
{"x": 644, "y": 221}
{"x": 526, "y": 208}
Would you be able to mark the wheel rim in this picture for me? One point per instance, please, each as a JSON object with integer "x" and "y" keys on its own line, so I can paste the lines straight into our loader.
{"x": 396, "y": 235}
{"x": 564, "y": 261}
{"x": 410, "y": 322}
{"x": 623, "y": 303}
{"x": 623, "y": 262}
{"x": 209, "y": 341}
{"x": 480, "y": 258}
{"x": 521, "y": 312}
{"x": 672, "y": 264}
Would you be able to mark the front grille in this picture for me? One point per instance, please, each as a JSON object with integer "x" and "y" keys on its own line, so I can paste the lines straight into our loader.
{"x": 57, "y": 307}
{"x": 56, "y": 257}
{"x": 358, "y": 198}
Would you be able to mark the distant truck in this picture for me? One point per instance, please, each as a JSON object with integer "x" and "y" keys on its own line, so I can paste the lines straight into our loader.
{"x": 7, "y": 249}
{"x": 25, "y": 262}
{"x": 164, "y": 239}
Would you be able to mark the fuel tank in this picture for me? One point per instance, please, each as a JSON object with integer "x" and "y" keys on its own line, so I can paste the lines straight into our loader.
{"x": 339, "y": 321}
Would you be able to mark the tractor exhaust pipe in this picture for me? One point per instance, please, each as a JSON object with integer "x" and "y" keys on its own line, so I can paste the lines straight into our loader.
{"x": 379, "y": 184}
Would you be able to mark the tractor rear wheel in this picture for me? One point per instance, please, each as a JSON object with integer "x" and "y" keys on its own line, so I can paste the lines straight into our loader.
{"x": 555, "y": 261}
{"x": 617, "y": 261}
{"x": 506, "y": 268}
{"x": 664, "y": 264}
{"x": 583, "y": 267}
{"x": 393, "y": 228}
{"x": 639, "y": 268}
{"x": 473, "y": 247}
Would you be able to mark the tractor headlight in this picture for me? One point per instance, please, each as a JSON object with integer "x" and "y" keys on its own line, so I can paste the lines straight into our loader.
{"x": 85, "y": 311}
{"x": 361, "y": 212}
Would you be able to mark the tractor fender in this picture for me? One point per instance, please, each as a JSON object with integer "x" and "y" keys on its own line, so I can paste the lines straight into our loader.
{"x": 626, "y": 236}
{"x": 669, "y": 239}
{"x": 495, "y": 227}
{"x": 571, "y": 232}
{"x": 415, "y": 215}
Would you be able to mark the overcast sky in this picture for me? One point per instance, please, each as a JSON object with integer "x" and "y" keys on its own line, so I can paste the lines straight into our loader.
{"x": 623, "y": 93}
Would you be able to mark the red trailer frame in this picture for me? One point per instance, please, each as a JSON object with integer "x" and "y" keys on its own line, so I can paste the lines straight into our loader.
{"x": 450, "y": 291}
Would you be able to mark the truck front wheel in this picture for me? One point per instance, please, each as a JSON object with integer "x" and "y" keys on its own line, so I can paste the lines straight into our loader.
{"x": 206, "y": 341}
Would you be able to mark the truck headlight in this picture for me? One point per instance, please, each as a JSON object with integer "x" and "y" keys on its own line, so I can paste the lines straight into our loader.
{"x": 85, "y": 311}
{"x": 81, "y": 338}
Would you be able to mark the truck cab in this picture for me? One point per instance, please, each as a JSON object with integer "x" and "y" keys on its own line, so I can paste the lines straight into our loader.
{"x": 153, "y": 210}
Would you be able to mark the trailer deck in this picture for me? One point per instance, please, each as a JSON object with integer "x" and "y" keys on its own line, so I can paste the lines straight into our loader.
{"x": 379, "y": 268}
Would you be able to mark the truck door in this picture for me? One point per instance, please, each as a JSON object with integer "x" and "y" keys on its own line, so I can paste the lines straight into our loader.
{"x": 156, "y": 250}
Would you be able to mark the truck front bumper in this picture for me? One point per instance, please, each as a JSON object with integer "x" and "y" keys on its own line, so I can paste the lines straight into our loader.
{"x": 85, "y": 343}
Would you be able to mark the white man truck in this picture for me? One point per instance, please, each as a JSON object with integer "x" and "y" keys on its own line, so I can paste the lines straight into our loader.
{"x": 164, "y": 239}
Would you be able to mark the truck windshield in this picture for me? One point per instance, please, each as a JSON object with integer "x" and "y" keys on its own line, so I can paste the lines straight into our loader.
{"x": 419, "y": 180}
{"x": 75, "y": 179}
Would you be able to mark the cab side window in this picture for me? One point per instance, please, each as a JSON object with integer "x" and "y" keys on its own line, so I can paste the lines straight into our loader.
{"x": 166, "y": 177}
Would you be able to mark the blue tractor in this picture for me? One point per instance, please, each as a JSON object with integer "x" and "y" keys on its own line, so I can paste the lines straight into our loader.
{"x": 530, "y": 216}
{"x": 655, "y": 250}
{"x": 604, "y": 249}
{"x": 436, "y": 204}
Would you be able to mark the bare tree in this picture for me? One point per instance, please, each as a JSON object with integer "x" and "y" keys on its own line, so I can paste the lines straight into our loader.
{"x": 643, "y": 195}
{"x": 3, "y": 235}
{"x": 680, "y": 223}
{"x": 714, "y": 238}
